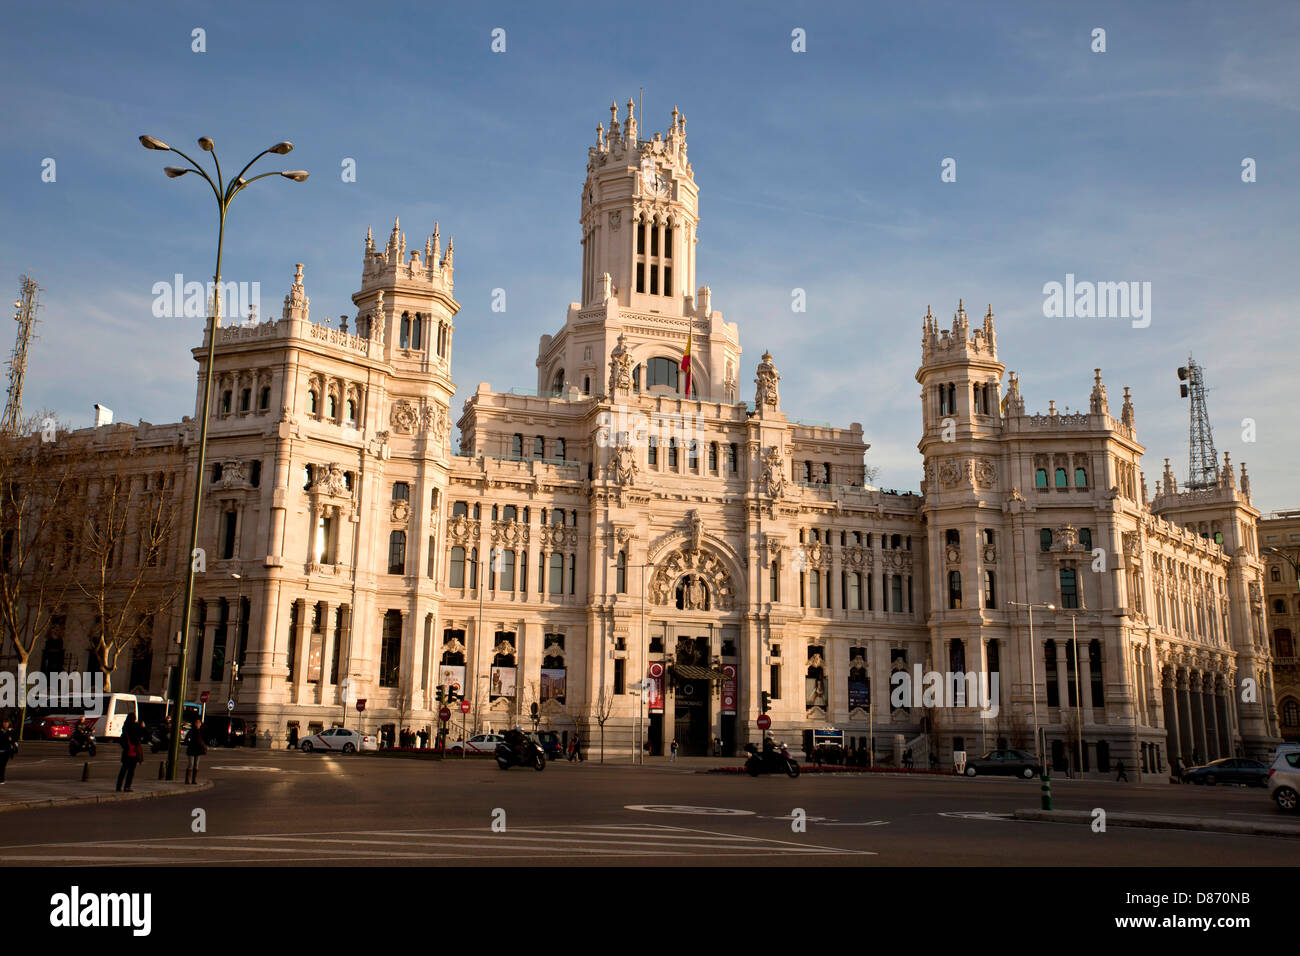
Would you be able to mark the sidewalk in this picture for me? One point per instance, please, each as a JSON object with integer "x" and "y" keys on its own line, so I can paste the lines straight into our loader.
{"x": 1165, "y": 821}
{"x": 28, "y": 794}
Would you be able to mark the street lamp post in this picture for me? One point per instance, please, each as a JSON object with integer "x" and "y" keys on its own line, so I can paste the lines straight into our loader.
{"x": 225, "y": 193}
{"x": 1078, "y": 697}
{"x": 234, "y": 660}
{"x": 1033, "y": 673}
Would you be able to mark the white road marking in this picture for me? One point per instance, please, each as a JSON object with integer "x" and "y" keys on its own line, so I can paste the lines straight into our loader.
{"x": 697, "y": 811}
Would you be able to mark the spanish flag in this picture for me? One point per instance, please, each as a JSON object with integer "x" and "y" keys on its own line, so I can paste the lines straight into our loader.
{"x": 686, "y": 361}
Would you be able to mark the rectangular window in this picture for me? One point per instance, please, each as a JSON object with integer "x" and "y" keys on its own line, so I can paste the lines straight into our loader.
{"x": 1069, "y": 589}
{"x": 732, "y": 455}
{"x": 668, "y": 280}
{"x": 774, "y": 676}
{"x": 619, "y": 664}
{"x": 228, "y": 525}
{"x": 815, "y": 587}
{"x": 896, "y": 593}
{"x": 507, "y": 581}
{"x": 390, "y": 650}
{"x": 456, "y": 570}
{"x": 774, "y": 582}
{"x": 654, "y": 280}
{"x": 855, "y": 591}
{"x": 640, "y": 277}
{"x": 557, "y": 573}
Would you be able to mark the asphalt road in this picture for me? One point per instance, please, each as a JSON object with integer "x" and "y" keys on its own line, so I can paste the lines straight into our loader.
{"x": 278, "y": 808}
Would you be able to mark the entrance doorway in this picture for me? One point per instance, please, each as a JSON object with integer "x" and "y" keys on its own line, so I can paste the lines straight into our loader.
{"x": 691, "y": 718}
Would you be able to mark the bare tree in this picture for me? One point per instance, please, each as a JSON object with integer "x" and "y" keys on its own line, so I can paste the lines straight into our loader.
{"x": 604, "y": 710}
{"x": 125, "y": 525}
{"x": 37, "y": 489}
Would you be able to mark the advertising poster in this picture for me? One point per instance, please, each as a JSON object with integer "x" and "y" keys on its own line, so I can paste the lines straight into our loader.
{"x": 816, "y": 691}
{"x": 859, "y": 694}
{"x": 729, "y": 689}
{"x": 501, "y": 682}
{"x": 655, "y": 698}
{"x": 314, "y": 654}
{"x": 553, "y": 684}
{"x": 452, "y": 676}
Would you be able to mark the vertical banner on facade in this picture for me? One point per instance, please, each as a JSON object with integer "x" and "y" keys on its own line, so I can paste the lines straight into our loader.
{"x": 501, "y": 682}
{"x": 859, "y": 694}
{"x": 452, "y": 676}
{"x": 315, "y": 652}
{"x": 816, "y": 692}
{"x": 729, "y": 689}
{"x": 553, "y": 680}
{"x": 655, "y": 698}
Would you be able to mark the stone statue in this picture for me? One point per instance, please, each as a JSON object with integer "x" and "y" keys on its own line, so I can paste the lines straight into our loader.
{"x": 766, "y": 381}
{"x": 620, "y": 367}
{"x": 774, "y": 473}
{"x": 624, "y": 464}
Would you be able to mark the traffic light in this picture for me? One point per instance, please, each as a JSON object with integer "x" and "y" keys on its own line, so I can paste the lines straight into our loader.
{"x": 442, "y": 694}
{"x": 533, "y": 710}
{"x": 766, "y": 703}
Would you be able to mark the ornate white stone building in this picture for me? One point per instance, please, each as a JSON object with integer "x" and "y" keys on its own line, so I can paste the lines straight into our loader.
{"x": 612, "y": 528}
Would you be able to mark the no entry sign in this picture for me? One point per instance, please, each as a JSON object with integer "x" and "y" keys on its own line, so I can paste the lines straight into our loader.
{"x": 764, "y": 721}
{"x": 361, "y": 705}
{"x": 444, "y": 714}
{"x": 464, "y": 707}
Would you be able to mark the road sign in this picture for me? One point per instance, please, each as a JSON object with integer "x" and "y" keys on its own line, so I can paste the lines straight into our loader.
{"x": 444, "y": 714}
{"x": 230, "y": 705}
{"x": 764, "y": 721}
{"x": 203, "y": 697}
{"x": 464, "y": 707}
{"x": 361, "y": 704}
{"x": 656, "y": 669}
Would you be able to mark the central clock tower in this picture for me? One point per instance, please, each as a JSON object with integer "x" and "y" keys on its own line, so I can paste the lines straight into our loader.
{"x": 640, "y": 213}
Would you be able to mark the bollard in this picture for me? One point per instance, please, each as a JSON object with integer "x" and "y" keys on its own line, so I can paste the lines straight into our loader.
{"x": 1047, "y": 791}
{"x": 162, "y": 769}
{"x": 85, "y": 771}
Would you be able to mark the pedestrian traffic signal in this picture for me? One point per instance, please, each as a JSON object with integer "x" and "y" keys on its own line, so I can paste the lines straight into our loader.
{"x": 442, "y": 694}
{"x": 533, "y": 710}
{"x": 766, "y": 703}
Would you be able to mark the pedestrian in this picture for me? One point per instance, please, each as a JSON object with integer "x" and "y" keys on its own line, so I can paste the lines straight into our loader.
{"x": 131, "y": 753}
{"x": 577, "y": 747}
{"x": 8, "y": 748}
{"x": 293, "y": 736}
{"x": 934, "y": 760}
{"x": 673, "y": 751}
{"x": 1120, "y": 773}
{"x": 194, "y": 749}
{"x": 907, "y": 758}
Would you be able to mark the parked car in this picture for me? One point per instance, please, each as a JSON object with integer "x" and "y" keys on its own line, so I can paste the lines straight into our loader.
{"x": 1015, "y": 763}
{"x": 549, "y": 741}
{"x": 1251, "y": 773}
{"x": 51, "y": 727}
{"x": 224, "y": 732}
{"x": 1284, "y": 780}
{"x": 478, "y": 744}
{"x": 340, "y": 740}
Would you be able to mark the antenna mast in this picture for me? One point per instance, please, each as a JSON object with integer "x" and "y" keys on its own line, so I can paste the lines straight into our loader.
{"x": 26, "y": 304}
{"x": 1203, "y": 460}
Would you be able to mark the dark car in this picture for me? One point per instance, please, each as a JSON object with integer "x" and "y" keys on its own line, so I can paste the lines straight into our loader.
{"x": 550, "y": 742}
{"x": 1251, "y": 773}
{"x": 224, "y": 731}
{"x": 1015, "y": 763}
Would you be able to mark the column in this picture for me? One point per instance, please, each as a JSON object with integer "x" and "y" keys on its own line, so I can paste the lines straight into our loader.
{"x": 1221, "y": 716}
{"x": 1084, "y": 663}
{"x": 300, "y": 650}
{"x": 1186, "y": 740}
{"x": 1197, "y": 702}
{"x": 1214, "y": 751}
{"x": 1173, "y": 745}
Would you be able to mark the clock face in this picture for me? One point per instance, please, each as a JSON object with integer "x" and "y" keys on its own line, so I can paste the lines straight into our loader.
{"x": 652, "y": 181}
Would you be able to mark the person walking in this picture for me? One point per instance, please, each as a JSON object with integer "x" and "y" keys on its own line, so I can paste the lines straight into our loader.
{"x": 907, "y": 758}
{"x": 1120, "y": 773}
{"x": 672, "y": 757}
{"x": 131, "y": 753}
{"x": 194, "y": 749}
{"x": 577, "y": 747}
{"x": 293, "y": 736}
{"x": 8, "y": 748}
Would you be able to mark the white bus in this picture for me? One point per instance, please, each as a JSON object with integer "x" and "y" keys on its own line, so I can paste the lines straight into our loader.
{"x": 111, "y": 710}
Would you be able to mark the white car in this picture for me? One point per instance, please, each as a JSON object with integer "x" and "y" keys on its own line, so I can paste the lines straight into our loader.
{"x": 478, "y": 744}
{"x": 338, "y": 739}
{"x": 1284, "y": 780}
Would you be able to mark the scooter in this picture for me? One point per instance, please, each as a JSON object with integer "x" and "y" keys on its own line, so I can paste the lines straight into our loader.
{"x": 529, "y": 754}
{"x": 769, "y": 761}
{"x": 80, "y": 740}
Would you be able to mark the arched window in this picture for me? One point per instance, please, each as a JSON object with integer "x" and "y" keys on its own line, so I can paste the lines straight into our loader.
{"x": 807, "y": 473}
{"x": 350, "y": 412}
{"x": 713, "y": 457}
{"x": 417, "y": 325}
{"x": 264, "y": 399}
{"x": 1290, "y": 712}
{"x": 662, "y": 371}
{"x": 539, "y": 447}
{"x": 404, "y": 336}
{"x": 331, "y": 408}
{"x": 733, "y": 458}
{"x": 313, "y": 402}
{"x": 456, "y": 570}
{"x": 826, "y": 473}
{"x": 1081, "y": 478}
{"x": 559, "y": 449}
{"x": 557, "y": 383}
{"x": 517, "y": 446}
{"x": 397, "y": 552}
{"x": 245, "y": 399}
{"x": 620, "y": 573}
{"x": 1069, "y": 589}
{"x": 1060, "y": 478}
{"x": 401, "y": 491}
{"x": 954, "y": 590}
{"x": 672, "y": 453}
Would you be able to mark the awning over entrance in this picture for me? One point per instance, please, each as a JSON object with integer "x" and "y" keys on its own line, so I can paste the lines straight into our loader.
{"x": 694, "y": 672}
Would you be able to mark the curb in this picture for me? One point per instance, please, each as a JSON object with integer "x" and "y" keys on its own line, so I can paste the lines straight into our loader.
{"x": 102, "y": 798}
{"x": 1162, "y": 822}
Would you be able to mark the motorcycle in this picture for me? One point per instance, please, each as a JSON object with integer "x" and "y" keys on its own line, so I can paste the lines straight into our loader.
{"x": 529, "y": 754}
{"x": 80, "y": 740}
{"x": 769, "y": 761}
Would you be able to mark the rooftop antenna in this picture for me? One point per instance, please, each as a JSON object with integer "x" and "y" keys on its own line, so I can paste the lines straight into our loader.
{"x": 640, "y": 108}
{"x": 28, "y": 301}
{"x": 1203, "y": 460}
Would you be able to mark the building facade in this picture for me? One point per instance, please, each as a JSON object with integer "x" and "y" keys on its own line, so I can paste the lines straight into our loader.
{"x": 645, "y": 554}
{"x": 1279, "y": 541}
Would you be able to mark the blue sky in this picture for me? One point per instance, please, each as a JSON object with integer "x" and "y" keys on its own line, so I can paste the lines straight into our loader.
{"x": 817, "y": 170}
